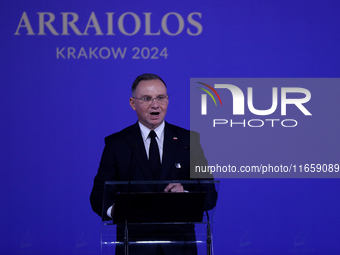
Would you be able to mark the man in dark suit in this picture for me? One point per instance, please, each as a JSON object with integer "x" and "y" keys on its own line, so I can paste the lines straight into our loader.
{"x": 151, "y": 149}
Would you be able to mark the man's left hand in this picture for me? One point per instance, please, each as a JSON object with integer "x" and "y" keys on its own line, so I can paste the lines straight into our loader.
{"x": 174, "y": 187}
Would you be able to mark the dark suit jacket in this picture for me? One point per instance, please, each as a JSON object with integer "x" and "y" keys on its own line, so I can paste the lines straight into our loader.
{"x": 124, "y": 157}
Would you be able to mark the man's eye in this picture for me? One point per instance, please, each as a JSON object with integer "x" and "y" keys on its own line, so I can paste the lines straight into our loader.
{"x": 147, "y": 99}
{"x": 160, "y": 98}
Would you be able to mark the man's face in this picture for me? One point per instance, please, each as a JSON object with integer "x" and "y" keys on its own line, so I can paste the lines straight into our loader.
{"x": 149, "y": 114}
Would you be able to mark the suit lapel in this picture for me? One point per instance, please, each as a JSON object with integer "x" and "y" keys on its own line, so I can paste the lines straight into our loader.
{"x": 171, "y": 142}
{"x": 135, "y": 140}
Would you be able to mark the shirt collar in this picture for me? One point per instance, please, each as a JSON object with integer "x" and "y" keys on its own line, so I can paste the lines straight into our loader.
{"x": 145, "y": 131}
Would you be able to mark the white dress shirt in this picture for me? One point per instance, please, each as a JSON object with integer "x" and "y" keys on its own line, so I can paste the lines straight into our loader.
{"x": 147, "y": 140}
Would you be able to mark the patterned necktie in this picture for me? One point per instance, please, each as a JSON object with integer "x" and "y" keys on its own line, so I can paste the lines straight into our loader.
{"x": 154, "y": 158}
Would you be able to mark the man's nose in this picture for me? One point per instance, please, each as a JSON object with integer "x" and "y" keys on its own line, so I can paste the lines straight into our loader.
{"x": 154, "y": 103}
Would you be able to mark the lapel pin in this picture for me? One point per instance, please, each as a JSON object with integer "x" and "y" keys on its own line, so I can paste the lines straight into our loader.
{"x": 175, "y": 138}
{"x": 178, "y": 165}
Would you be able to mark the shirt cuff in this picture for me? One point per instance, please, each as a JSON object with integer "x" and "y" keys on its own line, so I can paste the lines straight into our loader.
{"x": 108, "y": 212}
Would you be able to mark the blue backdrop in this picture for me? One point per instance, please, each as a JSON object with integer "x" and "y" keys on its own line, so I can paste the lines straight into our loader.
{"x": 66, "y": 72}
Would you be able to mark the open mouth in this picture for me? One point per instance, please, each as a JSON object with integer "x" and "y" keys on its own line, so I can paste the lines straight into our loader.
{"x": 154, "y": 114}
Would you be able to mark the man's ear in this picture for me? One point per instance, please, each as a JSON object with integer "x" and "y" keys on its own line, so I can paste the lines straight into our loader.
{"x": 132, "y": 104}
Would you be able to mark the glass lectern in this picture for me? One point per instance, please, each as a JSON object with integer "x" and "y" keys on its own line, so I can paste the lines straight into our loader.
{"x": 144, "y": 221}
